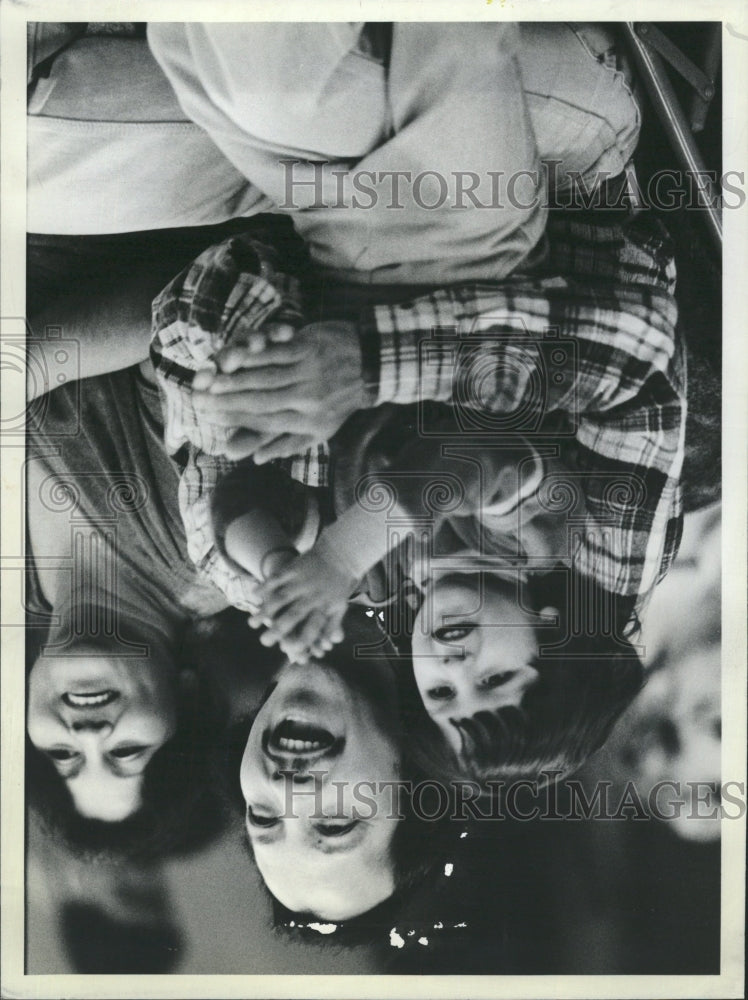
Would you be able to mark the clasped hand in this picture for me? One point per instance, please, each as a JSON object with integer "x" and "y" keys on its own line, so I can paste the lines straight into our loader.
{"x": 283, "y": 390}
{"x": 302, "y": 606}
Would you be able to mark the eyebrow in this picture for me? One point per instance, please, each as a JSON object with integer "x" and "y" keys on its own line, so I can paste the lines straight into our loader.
{"x": 481, "y": 690}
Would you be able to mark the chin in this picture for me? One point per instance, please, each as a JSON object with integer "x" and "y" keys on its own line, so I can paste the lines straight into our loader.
{"x": 115, "y": 813}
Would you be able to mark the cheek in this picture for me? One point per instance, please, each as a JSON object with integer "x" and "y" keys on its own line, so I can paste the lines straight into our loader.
{"x": 378, "y": 761}
{"x": 160, "y": 724}
{"x": 246, "y": 770}
{"x": 42, "y": 726}
{"x": 39, "y": 698}
{"x": 418, "y": 641}
{"x": 424, "y": 673}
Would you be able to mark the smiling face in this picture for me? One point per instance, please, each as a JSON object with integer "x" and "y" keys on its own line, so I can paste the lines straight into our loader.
{"x": 323, "y": 843}
{"x": 473, "y": 649}
{"x": 100, "y": 719}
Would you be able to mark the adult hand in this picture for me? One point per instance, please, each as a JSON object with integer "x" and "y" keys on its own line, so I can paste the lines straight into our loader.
{"x": 288, "y": 396}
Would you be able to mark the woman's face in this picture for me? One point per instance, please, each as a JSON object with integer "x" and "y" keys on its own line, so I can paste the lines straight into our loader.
{"x": 100, "y": 719}
{"x": 473, "y": 648}
{"x": 320, "y": 816}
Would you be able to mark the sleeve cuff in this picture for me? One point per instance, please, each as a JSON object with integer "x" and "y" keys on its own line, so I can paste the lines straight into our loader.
{"x": 401, "y": 362}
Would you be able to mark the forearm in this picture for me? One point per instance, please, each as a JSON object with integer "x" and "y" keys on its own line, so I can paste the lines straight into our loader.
{"x": 536, "y": 343}
{"x": 99, "y": 331}
{"x": 362, "y": 537}
{"x": 425, "y": 481}
{"x": 609, "y": 294}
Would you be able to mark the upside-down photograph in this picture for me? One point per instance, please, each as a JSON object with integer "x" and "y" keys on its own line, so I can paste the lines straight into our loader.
{"x": 369, "y": 507}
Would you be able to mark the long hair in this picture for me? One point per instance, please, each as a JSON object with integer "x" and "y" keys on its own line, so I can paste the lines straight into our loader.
{"x": 419, "y": 846}
{"x": 184, "y": 798}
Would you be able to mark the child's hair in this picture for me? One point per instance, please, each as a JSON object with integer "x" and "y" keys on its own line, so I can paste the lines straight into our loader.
{"x": 184, "y": 803}
{"x": 564, "y": 717}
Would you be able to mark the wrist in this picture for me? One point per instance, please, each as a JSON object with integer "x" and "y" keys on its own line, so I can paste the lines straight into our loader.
{"x": 360, "y": 538}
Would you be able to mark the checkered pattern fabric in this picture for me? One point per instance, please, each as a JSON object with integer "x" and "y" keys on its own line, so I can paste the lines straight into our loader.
{"x": 589, "y": 344}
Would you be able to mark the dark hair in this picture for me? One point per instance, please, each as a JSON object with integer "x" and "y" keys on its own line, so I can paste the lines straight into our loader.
{"x": 419, "y": 846}
{"x": 585, "y": 684}
{"x": 564, "y": 718}
{"x": 184, "y": 797}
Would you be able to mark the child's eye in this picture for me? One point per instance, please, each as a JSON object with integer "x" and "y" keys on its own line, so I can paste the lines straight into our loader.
{"x": 497, "y": 680}
{"x": 453, "y": 633}
{"x": 443, "y": 693}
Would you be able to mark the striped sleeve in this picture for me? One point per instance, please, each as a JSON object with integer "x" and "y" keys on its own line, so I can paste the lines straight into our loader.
{"x": 592, "y": 341}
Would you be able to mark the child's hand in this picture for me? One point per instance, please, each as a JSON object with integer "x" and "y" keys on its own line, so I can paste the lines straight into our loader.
{"x": 303, "y": 606}
{"x": 313, "y": 639}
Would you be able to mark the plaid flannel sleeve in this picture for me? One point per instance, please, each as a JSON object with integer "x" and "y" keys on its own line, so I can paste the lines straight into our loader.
{"x": 230, "y": 289}
{"x": 593, "y": 339}
{"x": 197, "y": 483}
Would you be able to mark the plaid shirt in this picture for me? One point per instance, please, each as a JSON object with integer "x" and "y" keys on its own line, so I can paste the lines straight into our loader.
{"x": 589, "y": 344}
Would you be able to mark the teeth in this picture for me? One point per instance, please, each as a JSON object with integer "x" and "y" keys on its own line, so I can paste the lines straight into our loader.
{"x": 86, "y": 700}
{"x": 297, "y": 746}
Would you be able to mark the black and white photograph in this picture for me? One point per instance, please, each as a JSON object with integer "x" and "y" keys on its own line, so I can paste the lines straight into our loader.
{"x": 371, "y": 394}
